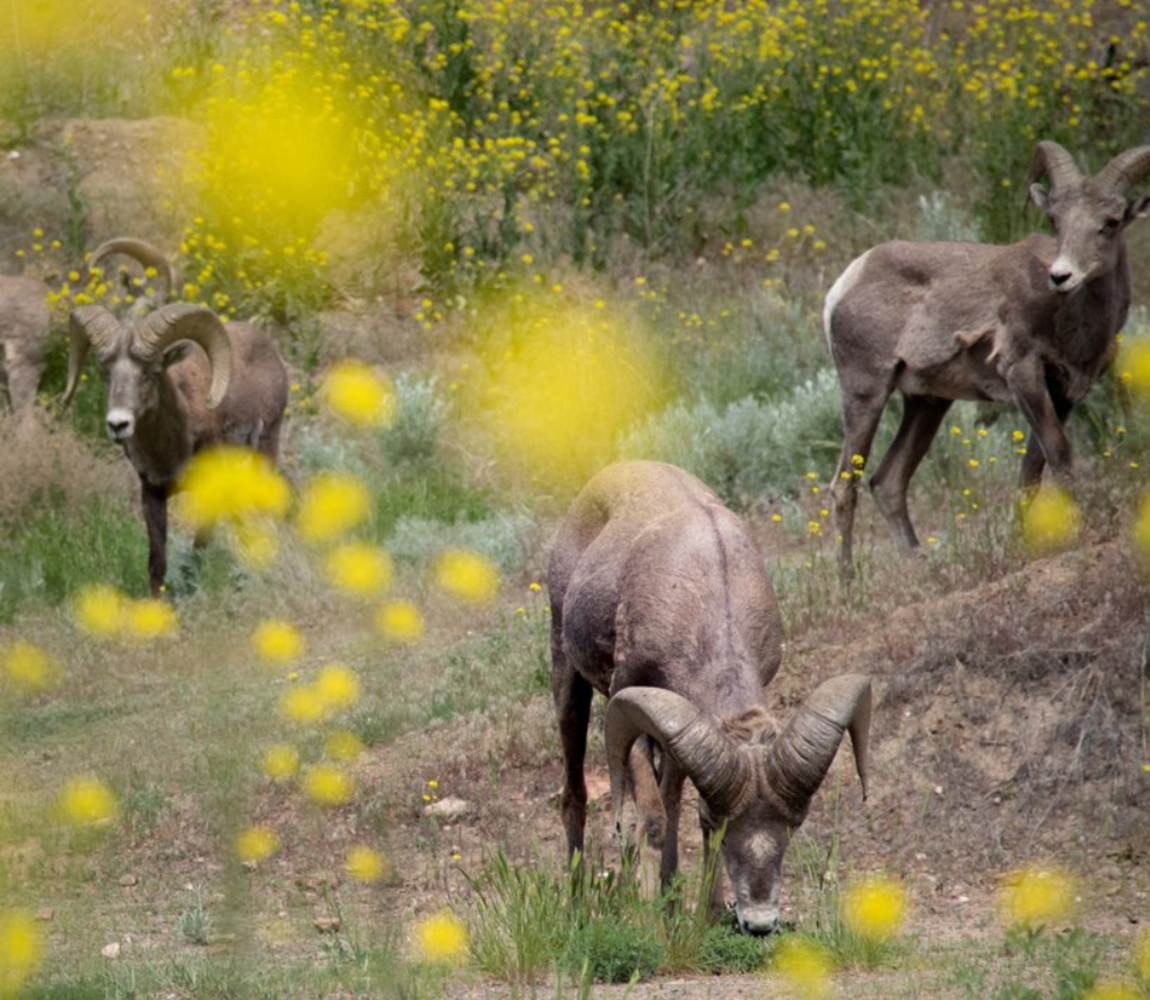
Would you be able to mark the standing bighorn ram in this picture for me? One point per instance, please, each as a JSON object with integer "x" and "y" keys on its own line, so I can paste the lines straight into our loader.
{"x": 179, "y": 380}
{"x": 660, "y": 601}
{"x": 1033, "y": 323}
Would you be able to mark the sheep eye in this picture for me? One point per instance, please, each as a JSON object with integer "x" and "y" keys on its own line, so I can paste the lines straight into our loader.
{"x": 1111, "y": 225}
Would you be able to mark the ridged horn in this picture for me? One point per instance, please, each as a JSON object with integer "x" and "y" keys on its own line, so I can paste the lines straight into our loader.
{"x": 1125, "y": 169}
{"x": 692, "y": 738}
{"x": 88, "y": 326}
{"x": 143, "y": 253}
{"x": 157, "y": 331}
{"x": 1053, "y": 161}
{"x": 800, "y": 757}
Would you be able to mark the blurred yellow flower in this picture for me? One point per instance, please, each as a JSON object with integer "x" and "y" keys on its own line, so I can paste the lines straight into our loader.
{"x": 875, "y": 908}
{"x": 1142, "y": 955}
{"x": 257, "y": 544}
{"x": 99, "y": 609}
{"x": 337, "y": 686}
{"x": 327, "y": 785}
{"x": 442, "y": 939}
{"x": 1142, "y": 529}
{"x": 359, "y": 569}
{"x": 364, "y": 864}
{"x": 342, "y": 745}
{"x": 1112, "y": 990}
{"x": 1050, "y": 521}
{"x": 467, "y": 575}
{"x": 303, "y": 704}
{"x": 331, "y": 505}
{"x": 234, "y": 485}
{"x": 805, "y": 966}
{"x": 1035, "y": 896}
{"x": 357, "y": 394}
{"x": 149, "y": 618}
{"x": 28, "y": 668}
{"x": 87, "y": 802}
{"x": 281, "y": 761}
{"x": 276, "y": 641}
{"x": 256, "y": 843}
{"x": 21, "y": 950}
{"x": 400, "y": 621}
{"x": 1133, "y": 364}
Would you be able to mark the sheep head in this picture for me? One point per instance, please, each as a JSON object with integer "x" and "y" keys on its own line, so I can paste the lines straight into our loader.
{"x": 1089, "y": 214}
{"x": 134, "y": 360}
{"x": 761, "y": 787}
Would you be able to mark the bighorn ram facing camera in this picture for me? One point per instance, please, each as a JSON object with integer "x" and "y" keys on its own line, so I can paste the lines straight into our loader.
{"x": 1033, "y": 323}
{"x": 24, "y": 320}
{"x": 660, "y": 601}
{"x": 179, "y": 380}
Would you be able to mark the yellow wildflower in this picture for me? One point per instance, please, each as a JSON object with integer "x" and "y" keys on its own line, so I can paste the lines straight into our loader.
{"x": 1035, "y": 896}
{"x": 467, "y": 575}
{"x": 149, "y": 618}
{"x": 442, "y": 939}
{"x": 328, "y": 785}
{"x": 21, "y": 950}
{"x": 303, "y": 704}
{"x": 1050, "y": 521}
{"x": 400, "y": 621}
{"x": 276, "y": 641}
{"x": 331, "y": 505}
{"x": 87, "y": 802}
{"x": 256, "y": 543}
{"x": 342, "y": 745}
{"x": 28, "y": 668}
{"x": 875, "y": 908}
{"x": 99, "y": 610}
{"x": 256, "y": 843}
{"x": 234, "y": 485}
{"x": 337, "y": 686}
{"x": 1134, "y": 365}
{"x": 359, "y": 569}
{"x": 1142, "y": 954}
{"x": 355, "y": 393}
{"x": 805, "y": 966}
{"x": 281, "y": 761}
{"x": 364, "y": 864}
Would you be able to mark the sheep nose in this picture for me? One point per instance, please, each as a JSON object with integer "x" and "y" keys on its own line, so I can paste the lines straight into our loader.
{"x": 759, "y": 921}
{"x": 119, "y": 426}
{"x": 1059, "y": 278}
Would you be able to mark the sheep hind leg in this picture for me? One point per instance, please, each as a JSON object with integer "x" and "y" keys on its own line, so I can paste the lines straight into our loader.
{"x": 861, "y": 415}
{"x": 573, "y": 706}
{"x": 921, "y": 417}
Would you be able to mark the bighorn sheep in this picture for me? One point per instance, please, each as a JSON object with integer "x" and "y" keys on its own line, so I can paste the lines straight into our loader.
{"x": 660, "y": 601}
{"x": 1033, "y": 323}
{"x": 179, "y": 380}
{"x": 24, "y": 322}
{"x": 25, "y": 318}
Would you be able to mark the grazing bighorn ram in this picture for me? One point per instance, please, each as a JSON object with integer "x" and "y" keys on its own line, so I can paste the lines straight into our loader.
{"x": 25, "y": 318}
{"x": 660, "y": 601}
{"x": 1033, "y": 323}
{"x": 179, "y": 380}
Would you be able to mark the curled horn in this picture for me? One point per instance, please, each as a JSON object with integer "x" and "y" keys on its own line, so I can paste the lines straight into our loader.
{"x": 1125, "y": 169}
{"x": 800, "y": 757}
{"x": 157, "y": 331}
{"x": 1051, "y": 160}
{"x": 143, "y": 253}
{"x": 692, "y": 738}
{"x": 88, "y": 326}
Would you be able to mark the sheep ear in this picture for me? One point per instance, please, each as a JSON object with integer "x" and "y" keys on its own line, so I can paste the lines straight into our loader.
{"x": 1040, "y": 196}
{"x": 1139, "y": 208}
{"x": 174, "y": 355}
{"x": 799, "y": 759}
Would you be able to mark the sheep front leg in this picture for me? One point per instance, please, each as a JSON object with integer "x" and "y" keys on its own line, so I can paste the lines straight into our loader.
{"x": 155, "y": 503}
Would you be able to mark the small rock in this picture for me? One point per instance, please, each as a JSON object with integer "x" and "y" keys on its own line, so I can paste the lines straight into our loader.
{"x": 128, "y": 880}
{"x": 111, "y": 950}
{"x": 448, "y": 808}
{"x": 327, "y": 925}
{"x": 45, "y": 913}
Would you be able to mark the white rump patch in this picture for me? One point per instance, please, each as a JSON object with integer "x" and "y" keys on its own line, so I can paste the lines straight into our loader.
{"x": 846, "y": 281}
